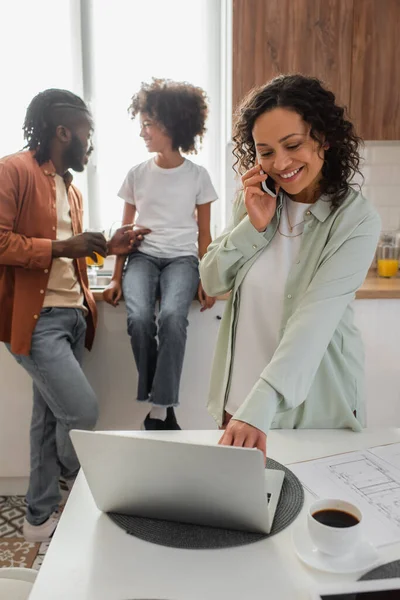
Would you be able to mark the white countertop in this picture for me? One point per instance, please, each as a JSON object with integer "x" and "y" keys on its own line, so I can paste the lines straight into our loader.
{"x": 90, "y": 558}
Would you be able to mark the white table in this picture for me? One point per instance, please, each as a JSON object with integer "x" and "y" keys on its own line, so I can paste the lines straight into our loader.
{"x": 90, "y": 558}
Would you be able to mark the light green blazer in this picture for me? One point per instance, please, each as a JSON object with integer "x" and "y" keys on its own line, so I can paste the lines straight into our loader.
{"x": 316, "y": 376}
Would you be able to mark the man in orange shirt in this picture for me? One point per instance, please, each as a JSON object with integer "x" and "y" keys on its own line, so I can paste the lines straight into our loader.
{"x": 47, "y": 312}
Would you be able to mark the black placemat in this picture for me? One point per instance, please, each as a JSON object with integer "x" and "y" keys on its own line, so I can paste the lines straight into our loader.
{"x": 386, "y": 571}
{"x": 200, "y": 537}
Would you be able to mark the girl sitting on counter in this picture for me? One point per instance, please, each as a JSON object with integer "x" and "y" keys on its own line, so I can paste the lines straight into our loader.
{"x": 172, "y": 195}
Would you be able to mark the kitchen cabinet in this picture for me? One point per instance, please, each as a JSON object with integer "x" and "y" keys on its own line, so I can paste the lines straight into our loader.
{"x": 351, "y": 45}
{"x": 111, "y": 371}
{"x": 292, "y": 36}
{"x": 375, "y": 86}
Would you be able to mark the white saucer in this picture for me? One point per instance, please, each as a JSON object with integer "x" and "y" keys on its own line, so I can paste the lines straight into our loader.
{"x": 364, "y": 556}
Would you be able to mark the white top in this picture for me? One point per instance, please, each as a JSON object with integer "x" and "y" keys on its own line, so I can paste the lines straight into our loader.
{"x": 166, "y": 201}
{"x": 261, "y": 304}
{"x": 63, "y": 288}
{"x": 90, "y": 558}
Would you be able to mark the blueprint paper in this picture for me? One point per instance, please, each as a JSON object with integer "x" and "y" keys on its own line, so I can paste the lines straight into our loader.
{"x": 390, "y": 453}
{"x": 369, "y": 479}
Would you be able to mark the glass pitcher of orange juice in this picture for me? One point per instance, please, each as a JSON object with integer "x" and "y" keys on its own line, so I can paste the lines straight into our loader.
{"x": 94, "y": 266}
{"x": 387, "y": 255}
{"x": 91, "y": 263}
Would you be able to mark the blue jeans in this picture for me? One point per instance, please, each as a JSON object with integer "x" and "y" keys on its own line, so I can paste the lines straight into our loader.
{"x": 175, "y": 282}
{"x": 62, "y": 400}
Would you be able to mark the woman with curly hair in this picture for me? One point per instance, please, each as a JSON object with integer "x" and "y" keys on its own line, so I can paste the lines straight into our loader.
{"x": 173, "y": 196}
{"x": 288, "y": 353}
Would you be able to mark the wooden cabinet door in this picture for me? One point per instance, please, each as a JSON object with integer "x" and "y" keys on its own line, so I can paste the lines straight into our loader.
{"x": 313, "y": 37}
{"x": 375, "y": 78}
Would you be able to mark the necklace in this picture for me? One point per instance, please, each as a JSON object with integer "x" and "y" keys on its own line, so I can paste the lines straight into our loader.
{"x": 291, "y": 227}
{"x": 289, "y": 236}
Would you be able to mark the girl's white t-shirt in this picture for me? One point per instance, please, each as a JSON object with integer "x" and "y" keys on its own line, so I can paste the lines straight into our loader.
{"x": 166, "y": 201}
{"x": 261, "y": 304}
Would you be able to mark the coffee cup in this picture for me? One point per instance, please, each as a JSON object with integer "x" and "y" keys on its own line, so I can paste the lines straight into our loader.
{"x": 334, "y": 526}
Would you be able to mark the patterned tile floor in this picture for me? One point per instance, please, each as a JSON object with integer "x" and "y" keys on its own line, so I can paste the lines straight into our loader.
{"x": 14, "y": 550}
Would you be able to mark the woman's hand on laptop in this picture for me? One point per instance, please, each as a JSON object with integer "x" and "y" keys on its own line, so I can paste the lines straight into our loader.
{"x": 238, "y": 433}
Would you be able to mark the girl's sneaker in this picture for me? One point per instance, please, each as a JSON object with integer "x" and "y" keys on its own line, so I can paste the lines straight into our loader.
{"x": 150, "y": 424}
{"x": 170, "y": 421}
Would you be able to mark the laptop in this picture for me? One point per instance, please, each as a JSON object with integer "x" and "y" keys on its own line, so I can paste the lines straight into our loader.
{"x": 217, "y": 486}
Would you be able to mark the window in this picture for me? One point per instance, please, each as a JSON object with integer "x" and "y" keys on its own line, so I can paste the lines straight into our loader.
{"x": 132, "y": 42}
{"x": 39, "y": 49}
{"x": 102, "y": 51}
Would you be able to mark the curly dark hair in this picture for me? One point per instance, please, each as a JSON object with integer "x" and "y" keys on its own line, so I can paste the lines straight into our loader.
{"x": 317, "y": 106}
{"x": 45, "y": 112}
{"x": 179, "y": 107}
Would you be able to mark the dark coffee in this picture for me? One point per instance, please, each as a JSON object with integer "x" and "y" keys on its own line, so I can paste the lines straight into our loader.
{"x": 335, "y": 518}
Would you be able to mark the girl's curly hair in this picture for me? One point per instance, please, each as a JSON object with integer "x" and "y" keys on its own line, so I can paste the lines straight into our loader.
{"x": 179, "y": 107}
{"x": 317, "y": 107}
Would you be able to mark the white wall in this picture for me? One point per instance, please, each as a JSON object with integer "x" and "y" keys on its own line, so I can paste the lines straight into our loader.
{"x": 381, "y": 170}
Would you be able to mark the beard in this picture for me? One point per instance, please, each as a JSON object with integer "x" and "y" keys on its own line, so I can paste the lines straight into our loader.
{"x": 74, "y": 155}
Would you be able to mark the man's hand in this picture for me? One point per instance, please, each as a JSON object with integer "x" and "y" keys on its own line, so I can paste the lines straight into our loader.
{"x": 238, "y": 433}
{"x": 81, "y": 245}
{"x": 205, "y": 301}
{"x": 113, "y": 293}
{"x": 126, "y": 240}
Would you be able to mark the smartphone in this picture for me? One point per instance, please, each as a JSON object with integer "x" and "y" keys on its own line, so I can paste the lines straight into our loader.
{"x": 378, "y": 589}
{"x": 268, "y": 185}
